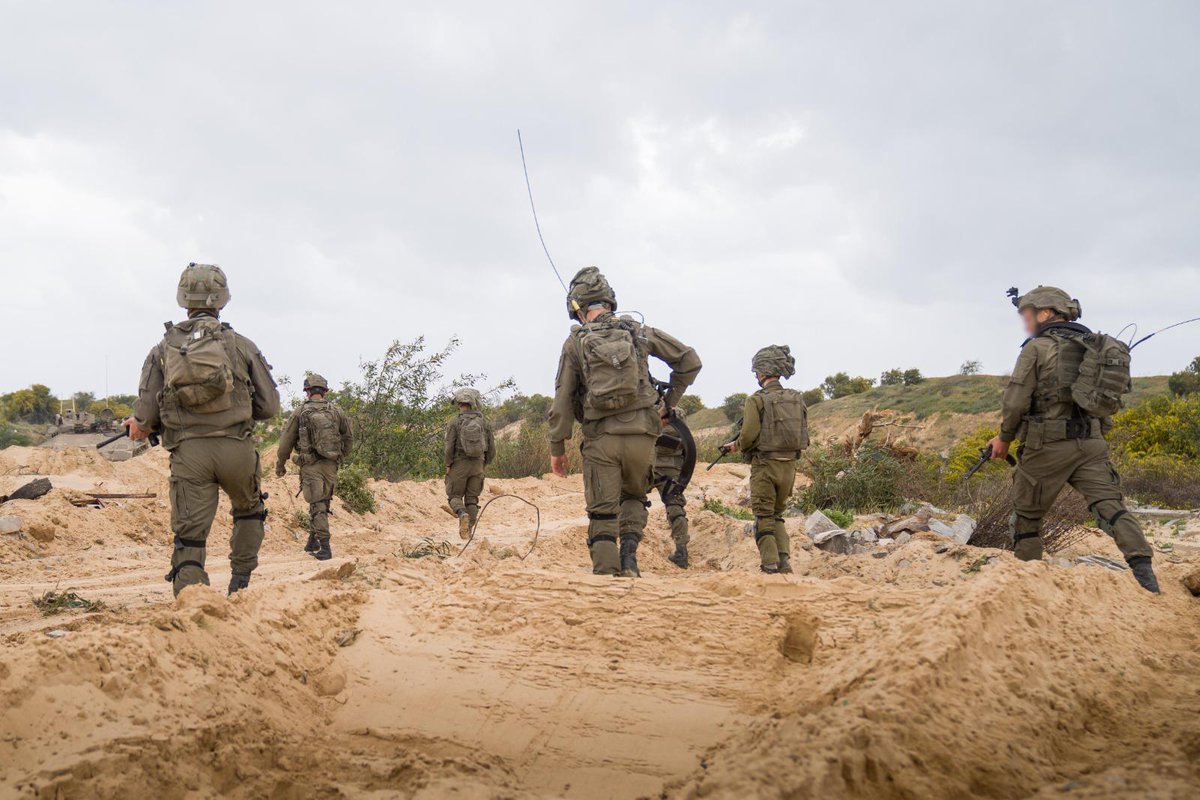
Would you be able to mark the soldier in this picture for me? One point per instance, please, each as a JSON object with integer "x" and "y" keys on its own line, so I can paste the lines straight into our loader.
{"x": 321, "y": 435}
{"x": 668, "y": 466}
{"x": 774, "y": 432}
{"x": 1061, "y": 443}
{"x": 470, "y": 447}
{"x": 202, "y": 388}
{"x": 604, "y": 383}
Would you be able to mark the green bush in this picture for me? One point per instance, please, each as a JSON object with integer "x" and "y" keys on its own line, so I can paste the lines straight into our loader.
{"x": 1161, "y": 481}
{"x": 734, "y": 405}
{"x": 842, "y": 385}
{"x": 843, "y": 519}
{"x": 717, "y": 507}
{"x": 10, "y": 436}
{"x": 870, "y": 482}
{"x": 1187, "y": 381}
{"x": 690, "y": 404}
{"x": 353, "y": 489}
{"x": 813, "y": 396}
{"x": 526, "y": 453}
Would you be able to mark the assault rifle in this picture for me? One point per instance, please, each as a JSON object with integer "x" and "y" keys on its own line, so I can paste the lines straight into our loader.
{"x": 153, "y": 439}
{"x": 985, "y": 455}
{"x": 725, "y": 449}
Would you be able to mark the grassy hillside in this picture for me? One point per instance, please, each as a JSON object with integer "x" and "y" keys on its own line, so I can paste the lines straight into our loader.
{"x": 945, "y": 409}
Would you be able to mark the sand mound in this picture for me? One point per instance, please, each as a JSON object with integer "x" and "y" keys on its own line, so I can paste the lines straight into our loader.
{"x": 914, "y": 674}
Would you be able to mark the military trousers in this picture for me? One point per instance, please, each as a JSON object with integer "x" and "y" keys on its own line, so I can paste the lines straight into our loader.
{"x": 464, "y": 484}
{"x": 618, "y": 470}
{"x": 675, "y": 503}
{"x": 1084, "y": 464}
{"x": 771, "y": 485}
{"x": 200, "y": 469}
{"x": 318, "y": 482}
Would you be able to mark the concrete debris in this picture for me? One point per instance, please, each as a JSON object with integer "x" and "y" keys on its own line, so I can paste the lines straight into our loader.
{"x": 10, "y": 524}
{"x": 1102, "y": 561}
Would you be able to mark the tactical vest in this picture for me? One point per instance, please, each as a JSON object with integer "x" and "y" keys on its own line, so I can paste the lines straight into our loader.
{"x": 320, "y": 431}
{"x": 616, "y": 368}
{"x": 472, "y": 435}
{"x": 784, "y": 425}
{"x": 206, "y": 381}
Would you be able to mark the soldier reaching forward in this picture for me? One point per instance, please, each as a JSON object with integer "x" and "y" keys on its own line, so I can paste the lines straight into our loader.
{"x": 774, "y": 431}
{"x": 604, "y": 383}
{"x": 203, "y": 387}
{"x": 320, "y": 433}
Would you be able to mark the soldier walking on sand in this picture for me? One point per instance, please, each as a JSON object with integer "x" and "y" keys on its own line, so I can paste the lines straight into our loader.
{"x": 774, "y": 432}
{"x": 604, "y": 383}
{"x": 1067, "y": 383}
{"x": 669, "y": 455}
{"x": 320, "y": 433}
{"x": 203, "y": 387}
{"x": 470, "y": 448}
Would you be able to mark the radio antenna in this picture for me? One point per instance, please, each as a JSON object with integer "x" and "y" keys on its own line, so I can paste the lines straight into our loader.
{"x": 533, "y": 208}
{"x": 1160, "y": 330}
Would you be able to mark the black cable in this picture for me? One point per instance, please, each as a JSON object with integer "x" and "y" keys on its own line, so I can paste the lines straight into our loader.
{"x": 533, "y": 208}
{"x": 1160, "y": 330}
{"x": 536, "y": 531}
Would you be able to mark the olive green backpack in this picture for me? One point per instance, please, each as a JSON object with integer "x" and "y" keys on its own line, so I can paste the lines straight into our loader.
{"x": 784, "y": 424}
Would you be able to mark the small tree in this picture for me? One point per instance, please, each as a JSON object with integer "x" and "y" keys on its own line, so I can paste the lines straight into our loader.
{"x": 912, "y": 377}
{"x": 690, "y": 404}
{"x": 842, "y": 385}
{"x": 892, "y": 377}
{"x": 1186, "y": 382}
{"x": 970, "y": 368}
{"x": 733, "y": 405}
{"x": 813, "y": 396}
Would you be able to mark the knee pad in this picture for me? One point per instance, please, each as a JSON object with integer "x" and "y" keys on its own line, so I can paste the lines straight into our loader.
{"x": 1019, "y": 525}
{"x": 763, "y": 527}
{"x": 1108, "y": 514}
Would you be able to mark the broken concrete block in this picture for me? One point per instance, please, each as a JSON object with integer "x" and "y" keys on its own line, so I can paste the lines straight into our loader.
{"x": 819, "y": 523}
{"x": 10, "y": 524}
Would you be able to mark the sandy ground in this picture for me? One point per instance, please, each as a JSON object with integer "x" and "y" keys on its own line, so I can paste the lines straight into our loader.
{"x": 917, "y": 674}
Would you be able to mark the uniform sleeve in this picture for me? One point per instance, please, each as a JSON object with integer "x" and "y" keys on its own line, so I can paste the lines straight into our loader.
{"x": 451, "y": 441}
{"x": 266, "y": 395}
{"x": 490, "y": 455}
{"x": 562, "y": 410}
{"x": 1018, "y": 396}
{"x": 289, "y": 437}
{"x": 751, "y": 424}
{"x": 683, "y": 360}
{"x": 150, "y": 386}
{"x": 347, "y": 430}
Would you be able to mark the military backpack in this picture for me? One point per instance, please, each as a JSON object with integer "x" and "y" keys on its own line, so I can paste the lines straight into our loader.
{"x": 784, "y": 424}
{"x": 1103, "y": 375}
{"x": 472, "y": 435}
{"x": 198, "y": 359}
{"x": 615, "y": 367}
{"x": 321, "y": 431}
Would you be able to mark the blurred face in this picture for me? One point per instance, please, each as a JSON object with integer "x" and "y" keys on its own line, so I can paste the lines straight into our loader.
{"x": 1034, "y": 318}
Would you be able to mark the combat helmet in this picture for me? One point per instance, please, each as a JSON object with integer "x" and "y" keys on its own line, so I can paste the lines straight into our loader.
{"x": 587, "y": 287}
{"x": 314, "y": 381}
{"x": 774, "y": 360}
{"x": 468, "y": 397}
{"x": 1050, "y": 297}
{"x": 202, "y": 286}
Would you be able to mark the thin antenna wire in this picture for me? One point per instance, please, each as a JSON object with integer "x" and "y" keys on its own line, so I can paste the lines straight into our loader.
{"x": 1160, "y": 330}
{"x": 533, "y": 208}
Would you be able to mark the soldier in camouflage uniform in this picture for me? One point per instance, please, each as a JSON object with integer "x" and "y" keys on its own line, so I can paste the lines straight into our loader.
{"x": 668, "y": 466}
{"x": 1060, "y": 443}
{"x": 202, "y": 388}
{"x": 774, "y": 432}
{"x": 320, "y": 433}
{"x": 470, "y": 448}
{"x": 604, "y": 383}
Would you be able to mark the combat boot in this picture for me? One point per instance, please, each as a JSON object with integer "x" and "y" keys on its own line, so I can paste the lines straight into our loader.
{"x": 629, "y": 565}
{"x": 785, "y": 564}
{"x": 770, "y": 569}
{"x": 1144, "y": 572}
{"x": 237, "y": 582}
{"x": 313, "y": 544}
{"x": 464, "y": 525}
{"x": 323, "y": 552}
{"x": 680, "y": 557}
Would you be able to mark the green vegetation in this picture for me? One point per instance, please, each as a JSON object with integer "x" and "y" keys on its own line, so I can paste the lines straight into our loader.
{"x": 840, "y": 517}
{"x": 717, "y": 507}
{"x": 901, "y": 377}
{"x": 34, "y": 405}
{"x": 842, "y": 385}
{"x": 1187, "y": 381}
{"x": 428, "y": 547}
{"x": 1156, "y": 445}
{"x": 813, "y": 396}
{"x": 353, "y": 489}
{"x": 970, "y": 368}
{"x": 54, "y": 602}
{"x": 867, "y": 481}
{"x": 691, "y": 404}
{"x": 301, "y": 521}
{"x": 733, "y": 406}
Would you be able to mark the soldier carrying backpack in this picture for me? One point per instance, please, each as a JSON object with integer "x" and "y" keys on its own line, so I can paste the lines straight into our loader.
{"x": 470, "y": 447}
{"x": 203, "y": 387}
{"x": 1066, "y": 386}
{"x": 320, "y": 434}
{"x": 604, "y": 384}
{"x": 774, "y": 432}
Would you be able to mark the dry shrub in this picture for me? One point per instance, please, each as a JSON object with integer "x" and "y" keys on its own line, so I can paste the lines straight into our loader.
{"x": 527, "y": 454}
{"x": 1166, "y": 482}
{"x": 990, "y": 503}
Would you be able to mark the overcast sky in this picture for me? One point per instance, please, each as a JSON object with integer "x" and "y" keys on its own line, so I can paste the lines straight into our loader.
{"x": 861, "y": 181}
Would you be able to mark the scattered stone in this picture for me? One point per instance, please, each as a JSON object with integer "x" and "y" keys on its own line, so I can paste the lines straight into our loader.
{"x": 904, "y": 538}
{"x": 944, "y": 547}
{"x": 964, "y": 528}
{"x": 927, "y": 510}
{"x": 903, "y": 563}
{"x": 30, "y": 491}
{"x": 10, "y": 524}
{"x": 819, "y": 523}
{"x": 879, "y": 554}
{"x": 1057, "y": 561}
{"x": 882, "y": 542}
{"x": 908, "y": 524}
{"x": 1102, "y": 561}
{"x": 836, "y": 541}
{"x": 57, "y": 633}
{"x": 941, "y": 528}
{"x": 1192, "y": 582}
{"x": 331, "y": 682}
{"x": 42, "y": 531}
{"x": 864, "y": 536}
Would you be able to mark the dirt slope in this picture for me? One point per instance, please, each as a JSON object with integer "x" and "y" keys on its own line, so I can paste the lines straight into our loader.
{"x": 919, "y": 674}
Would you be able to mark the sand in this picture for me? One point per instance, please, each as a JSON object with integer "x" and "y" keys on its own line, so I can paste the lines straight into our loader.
{"x": 488, "y": 676}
